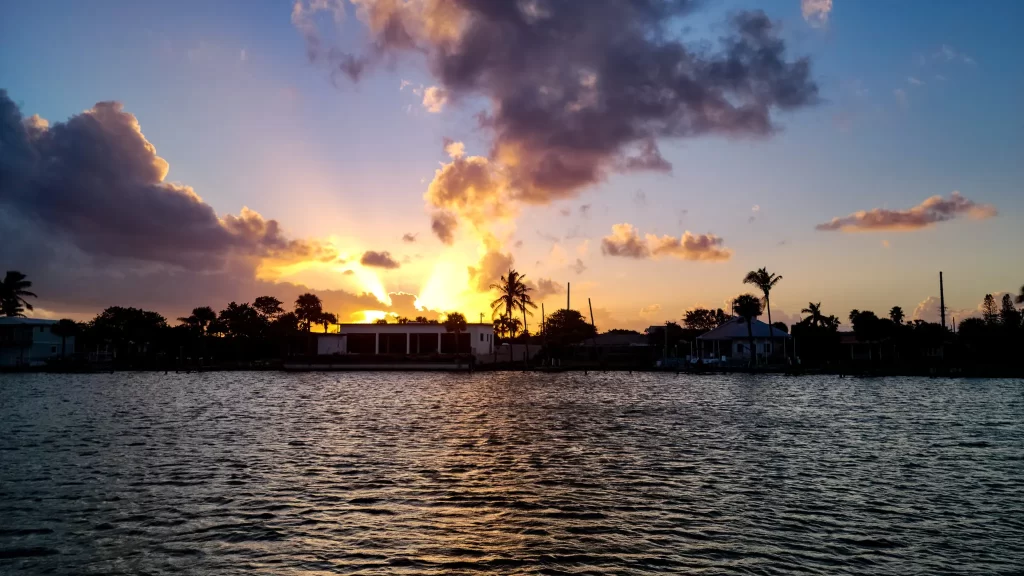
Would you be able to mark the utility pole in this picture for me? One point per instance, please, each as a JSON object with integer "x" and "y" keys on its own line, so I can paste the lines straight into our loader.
{"x": 942, "y": 302}
{"x": 568, "y": 291}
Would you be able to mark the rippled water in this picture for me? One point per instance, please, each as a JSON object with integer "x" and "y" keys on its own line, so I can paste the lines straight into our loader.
{"x": 380, "y": 473}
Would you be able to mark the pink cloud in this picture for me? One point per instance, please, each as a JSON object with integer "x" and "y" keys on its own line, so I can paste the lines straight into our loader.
{"x": 933, "y": 210}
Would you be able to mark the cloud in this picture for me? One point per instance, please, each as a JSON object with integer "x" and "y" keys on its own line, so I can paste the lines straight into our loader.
{"x": 434, "y": 99}
{"x": 816, "y": 12}
{"x": 409, "y": 237}
{"x": 585, "y": 210}
{"x": 568, "y": 103}
{"x": 579, "y": 267}
{"x": 97, "y": 183}
{"x": 489, "y": 270}
{"x": 470, "y": 188}
{"x": 545, "y": 287}
{"x": 754, "y": 211}
{"x": 915, "y": 81}
{"x": 950, "y": 54}
{"x": 933, "y": 210}
{"x": 650, "y": 310}
{"x": 378, "y": 260}
{"x": 625, "y": 241}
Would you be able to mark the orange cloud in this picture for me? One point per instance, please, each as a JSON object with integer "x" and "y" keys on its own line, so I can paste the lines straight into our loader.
{"x": 625, "y": 241}
{"x": 932, "y": 210}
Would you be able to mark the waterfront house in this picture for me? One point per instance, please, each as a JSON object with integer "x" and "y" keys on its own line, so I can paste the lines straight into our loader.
{"x": 30, "y": 342}
{"x": 730, "y": 340}
{"x": 409, "y": 339}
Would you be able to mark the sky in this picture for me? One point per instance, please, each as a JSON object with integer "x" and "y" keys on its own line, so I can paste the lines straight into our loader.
{"x": 398, "y": 157}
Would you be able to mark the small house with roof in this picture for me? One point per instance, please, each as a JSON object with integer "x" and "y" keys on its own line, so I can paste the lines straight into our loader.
{"x": 31, "y": 342}
{"x": 732, "y": 341}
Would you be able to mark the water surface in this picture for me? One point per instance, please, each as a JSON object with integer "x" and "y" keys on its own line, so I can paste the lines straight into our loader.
{"x": 385, "y": 473}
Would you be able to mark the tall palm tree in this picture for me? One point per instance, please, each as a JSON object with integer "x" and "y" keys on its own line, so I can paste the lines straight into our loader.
{"x": 513, "y": 295}
{"x": 765, "y": 281}
{"x": 455, "y": 323}
{"x": 13, "y": 291}
{"x": 896, "y": 314}
{"x": 748, "y": 307}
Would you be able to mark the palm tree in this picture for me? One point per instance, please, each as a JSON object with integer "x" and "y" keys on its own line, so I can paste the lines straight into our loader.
{"x": 765, "y": 281}
{"x": 1020, "y": 297}
{"x": 513, "y": 295}
{"x": 455, "y": 323}
{"x": 64, "y": 328}
{"x": 816, "y": 318}
{"x": 896, "y": 315}
{"x": 13, "y": 291}
{"x": 327, "y": 318}
{"x": 308, "y": 309}
{"x": 748, "y": 307}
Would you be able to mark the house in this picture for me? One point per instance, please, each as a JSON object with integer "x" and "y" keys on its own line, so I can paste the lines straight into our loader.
{"x": 731, "y": 340}
{"x": 408, "y": 339}
{"x": 31, "y": 342}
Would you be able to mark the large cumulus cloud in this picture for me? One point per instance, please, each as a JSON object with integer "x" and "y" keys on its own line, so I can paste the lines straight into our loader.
{"x": 86, "y": 213}
{"x": 578, "y": 90}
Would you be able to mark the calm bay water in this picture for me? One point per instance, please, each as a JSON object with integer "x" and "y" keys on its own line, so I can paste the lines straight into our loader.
{"x": 383, "y": 473}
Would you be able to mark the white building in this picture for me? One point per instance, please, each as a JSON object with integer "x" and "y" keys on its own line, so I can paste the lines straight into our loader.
{"x": 410, "y": 338}
{"x": 732, "y": 340}
{"x": 31, "y": 342}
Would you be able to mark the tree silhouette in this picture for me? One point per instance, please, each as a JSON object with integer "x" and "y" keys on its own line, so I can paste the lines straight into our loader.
{"x": 455, "y": 323}
{"x": 896, "y": 314}
{"x": 704, "y": 319}
{"x": 381, "y": 321}
{"x": 989, "y": 311}
{"x": 64, "y": 328}
{"x": 816, "y": 318}
{"x": 13, "y": 291}
{"x": 513, "y": 295}
{"x": 765, "y": 281}
{"x": 421, "y": 320}
{"x": 308, "y": 309}
{"x": 1020, "y": 296}
{"x": 1008, "y": 314}
{"x": 327, "y": 318}
{"x": 564, "y": 327}
{"x": 268, "y": 306}
{"x": 748, "y": 307}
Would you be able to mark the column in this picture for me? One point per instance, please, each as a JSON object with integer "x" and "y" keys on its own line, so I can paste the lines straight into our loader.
{"x": 376, "y": 342}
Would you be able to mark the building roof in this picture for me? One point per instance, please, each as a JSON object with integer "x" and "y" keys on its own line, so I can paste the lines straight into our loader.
{"x": 737, "y": 328}
{"x": 17, "y": 321}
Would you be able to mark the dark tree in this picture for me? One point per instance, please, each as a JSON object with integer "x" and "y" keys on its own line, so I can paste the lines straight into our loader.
{"x": 65, "y": 328}
{"x": 748, "y": 307}
{"x": 989, "y": 310}
{"x": 513, "y": 296}
{"x": 896, "y": 314}
{"x": 268, "y": 306}
{"x": 816, "y": 318}
{"x": 308, "y": 308}
{"x": 565, "y": 327}
{"x": 13, "y": 291}
{"x": 704, "y": 319}
{"x": 766, "y": 282}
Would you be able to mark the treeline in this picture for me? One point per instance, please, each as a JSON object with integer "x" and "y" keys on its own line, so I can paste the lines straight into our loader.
{"x": 238, "y": 333}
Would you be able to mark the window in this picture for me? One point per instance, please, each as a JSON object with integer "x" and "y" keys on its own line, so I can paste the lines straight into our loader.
{"x": 42, "y": 329}
{"x": 481, "y": 336}
{"x": 53, "y": 349}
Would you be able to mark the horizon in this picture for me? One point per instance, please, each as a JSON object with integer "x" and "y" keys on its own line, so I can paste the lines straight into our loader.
{"x": 197, "y": 155}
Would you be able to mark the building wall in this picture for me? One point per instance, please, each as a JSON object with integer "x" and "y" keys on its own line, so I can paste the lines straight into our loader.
{"x": 40, "y": 345}
{"x": 400, "y": 338}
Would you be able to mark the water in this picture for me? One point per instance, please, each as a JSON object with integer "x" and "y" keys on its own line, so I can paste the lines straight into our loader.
{"x": 378, "y": 473}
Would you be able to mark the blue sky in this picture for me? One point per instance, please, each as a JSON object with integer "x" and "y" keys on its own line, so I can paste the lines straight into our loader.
{"x": 919, "y": 98}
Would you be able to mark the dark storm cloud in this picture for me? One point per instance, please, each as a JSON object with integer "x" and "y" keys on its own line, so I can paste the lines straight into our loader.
{"x": 378, "y": 260}
{"x": 96, "y": 181}
{"x": 579, "y": 89}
